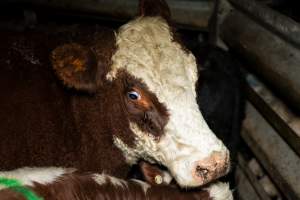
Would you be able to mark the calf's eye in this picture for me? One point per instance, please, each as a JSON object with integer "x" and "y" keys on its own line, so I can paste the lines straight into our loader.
{"x": 133, "y": 95}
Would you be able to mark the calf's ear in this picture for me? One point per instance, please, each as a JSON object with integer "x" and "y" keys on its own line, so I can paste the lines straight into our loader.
{"x": 76, "y": 66}
{"x": 154, "y": 8}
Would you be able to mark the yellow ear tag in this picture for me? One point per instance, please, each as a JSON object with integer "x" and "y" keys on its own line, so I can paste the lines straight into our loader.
{"x": 158, "y": 179}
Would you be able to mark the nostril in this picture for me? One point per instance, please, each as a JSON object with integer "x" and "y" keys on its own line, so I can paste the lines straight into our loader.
{"x": 211, "y": 167}
{"x": 201, "y": 171}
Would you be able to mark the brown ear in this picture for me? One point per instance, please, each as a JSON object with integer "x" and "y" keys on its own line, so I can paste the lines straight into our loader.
{"x": 76, "y": 66}
{"x": 155, "y": 8}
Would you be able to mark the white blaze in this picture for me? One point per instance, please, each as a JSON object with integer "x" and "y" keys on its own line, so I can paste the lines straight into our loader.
{"x": 146, "y": 49}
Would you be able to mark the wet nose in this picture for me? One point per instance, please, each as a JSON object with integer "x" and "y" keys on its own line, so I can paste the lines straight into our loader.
{"x": 212, "y": 167}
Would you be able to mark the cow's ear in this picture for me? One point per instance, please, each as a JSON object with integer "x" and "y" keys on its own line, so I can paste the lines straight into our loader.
{"x": 76, "y": 66}
{"x": 154, "y": 8}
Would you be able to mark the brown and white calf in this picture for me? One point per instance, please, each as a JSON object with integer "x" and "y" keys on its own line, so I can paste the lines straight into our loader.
{"x": 106, "y": 99}
{"x": 62, "y": 184}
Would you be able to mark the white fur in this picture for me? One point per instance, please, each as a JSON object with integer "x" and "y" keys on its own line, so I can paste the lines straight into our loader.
{"x": 103, "y": 179}
{"x": 219, "y": 191}
{"x": 146, "y": 50}
{"x": 167, "y": 178}
{"x": 27, "y": 176}
{"x": 117, "y": 182}
{"x": 145, "y": 186}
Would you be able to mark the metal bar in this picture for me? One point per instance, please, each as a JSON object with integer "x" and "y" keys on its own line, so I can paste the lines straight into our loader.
{"x": 275, "y": 111}
{"x": 244, "y": 188}
{"x": 272, "y": 57}
{"x": 193, "y": 14}
{"x": 276, "y": 22}
{"x": 281, "y": 162}
{"x": 253, "y": 180}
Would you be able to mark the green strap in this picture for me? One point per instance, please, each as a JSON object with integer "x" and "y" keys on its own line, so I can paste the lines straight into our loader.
{"x": 17, "y": 186}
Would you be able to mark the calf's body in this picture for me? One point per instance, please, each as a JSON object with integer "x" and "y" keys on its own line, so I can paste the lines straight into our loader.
{"x": 61, "y": 184}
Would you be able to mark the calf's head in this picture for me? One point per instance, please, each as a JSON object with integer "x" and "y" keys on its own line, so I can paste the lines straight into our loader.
{"x": 153, "y": 78}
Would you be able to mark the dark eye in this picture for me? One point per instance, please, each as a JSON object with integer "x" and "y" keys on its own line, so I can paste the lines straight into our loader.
{"x": 133, "y": 95}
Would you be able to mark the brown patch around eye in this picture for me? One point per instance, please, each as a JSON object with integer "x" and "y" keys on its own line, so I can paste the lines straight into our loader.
{"x": 144, "y": 101}
{"x": 150, "y": 115}
{"x": 147, "y": 112}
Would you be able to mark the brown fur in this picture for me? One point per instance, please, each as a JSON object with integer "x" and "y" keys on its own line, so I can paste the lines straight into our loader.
{"x": 148, "y": 113}
{"x": 78, "y": 186}
{"x": 45, "y": 124}
{"x": 71, "y": 63}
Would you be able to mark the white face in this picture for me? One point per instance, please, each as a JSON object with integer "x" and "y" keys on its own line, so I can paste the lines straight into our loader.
{"x": 188, "y": 148}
